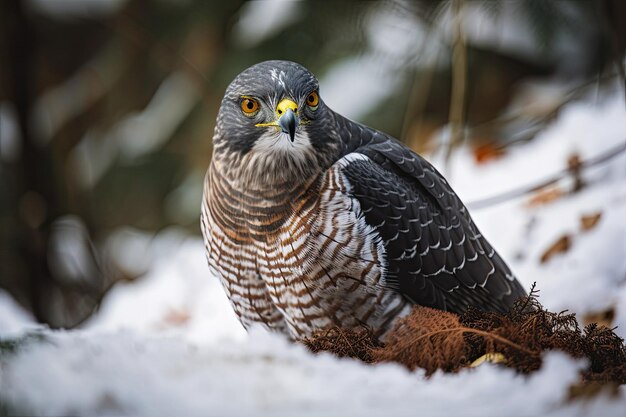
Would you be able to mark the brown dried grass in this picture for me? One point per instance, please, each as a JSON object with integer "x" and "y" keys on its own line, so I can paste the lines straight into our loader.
{"x": 437, "y": 340}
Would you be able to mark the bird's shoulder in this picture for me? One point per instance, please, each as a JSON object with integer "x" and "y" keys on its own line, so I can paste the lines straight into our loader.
{"x": 385, "y": 158}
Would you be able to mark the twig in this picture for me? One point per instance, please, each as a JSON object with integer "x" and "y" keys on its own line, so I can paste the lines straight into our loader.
{"x": 509, "y": 195}
{"x": 529, "y": 297}
{"x": 421, "y": 85}
{"x": 459, "y": 81}
{"x": 480, "y": 333}
{"x": 575, "y": 92}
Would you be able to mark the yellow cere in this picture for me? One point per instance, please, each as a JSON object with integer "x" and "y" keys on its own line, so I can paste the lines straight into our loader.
{"x": 284, "y": 105}
{"x": 280, "y": 109}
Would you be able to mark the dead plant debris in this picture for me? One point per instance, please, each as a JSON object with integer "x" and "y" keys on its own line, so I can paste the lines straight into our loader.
{"x": 561, "y": 245}
{"x": 437, "y": 340}
{"x": 546, "y": 195}
{"x": 351, "y": 343}
{"x": 602, "y": 317}
{"x": 589, "y": 221}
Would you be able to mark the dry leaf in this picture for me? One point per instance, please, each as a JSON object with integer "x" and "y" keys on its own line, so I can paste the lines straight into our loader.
{"x": 603, "y": 318}
{"x": 589, "y": 390}
{"x": 494, "y": 357}
{"x": 562, "y": 245}
{"x": 545, "y": 195}
{"x": 589, "y": 221}
{"x": 488, "y": 152}
{"x": 574, "y": 161}
{"x": 176, "y": 317}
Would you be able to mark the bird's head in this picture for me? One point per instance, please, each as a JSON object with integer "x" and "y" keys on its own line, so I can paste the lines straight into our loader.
{"x": 273, "y": 125}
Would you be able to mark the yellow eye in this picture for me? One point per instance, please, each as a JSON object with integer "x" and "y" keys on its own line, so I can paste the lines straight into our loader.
{"x": 313, "y": 99}
{"x": 249, "y": 106}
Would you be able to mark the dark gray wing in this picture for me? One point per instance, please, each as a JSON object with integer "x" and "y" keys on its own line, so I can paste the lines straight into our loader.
{"x": 435, "y": 254}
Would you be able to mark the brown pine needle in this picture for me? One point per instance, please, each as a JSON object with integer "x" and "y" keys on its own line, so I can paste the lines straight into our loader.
{"x": 437, "y": 340}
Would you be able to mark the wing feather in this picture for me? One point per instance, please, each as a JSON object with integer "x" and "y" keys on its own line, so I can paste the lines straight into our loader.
{"x": 435, "y": 254}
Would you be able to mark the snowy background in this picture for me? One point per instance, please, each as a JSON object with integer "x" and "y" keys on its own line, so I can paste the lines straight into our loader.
{"x": 167, "y": 342}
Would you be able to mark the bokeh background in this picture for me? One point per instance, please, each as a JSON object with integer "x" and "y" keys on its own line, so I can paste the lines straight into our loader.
{"x": 107, "y": 109}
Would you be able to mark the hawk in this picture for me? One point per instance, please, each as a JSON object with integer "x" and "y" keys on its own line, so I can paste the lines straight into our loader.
{"x": 311, "y": 220}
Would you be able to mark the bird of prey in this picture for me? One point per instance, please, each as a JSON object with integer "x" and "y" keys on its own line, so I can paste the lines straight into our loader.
{"x": 312, "y": 221}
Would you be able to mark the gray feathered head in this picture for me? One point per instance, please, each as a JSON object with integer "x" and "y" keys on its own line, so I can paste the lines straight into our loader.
{"x": 273, "y": 123}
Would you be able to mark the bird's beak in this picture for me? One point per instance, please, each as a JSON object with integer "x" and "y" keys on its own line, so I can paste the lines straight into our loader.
{"x": 288, "y": 123}
{"x": 287, "y": 118}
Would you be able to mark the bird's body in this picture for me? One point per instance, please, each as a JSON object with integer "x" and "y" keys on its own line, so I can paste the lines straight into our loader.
{"x": 313, "y": 221}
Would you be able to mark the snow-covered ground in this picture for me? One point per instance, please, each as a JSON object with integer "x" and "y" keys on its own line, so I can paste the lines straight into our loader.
{"x": 124, "y": 373}
{"x": 169, "y": 344}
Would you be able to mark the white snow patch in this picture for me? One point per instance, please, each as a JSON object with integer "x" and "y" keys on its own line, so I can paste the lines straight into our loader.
{"x": 260, "y": 20}
{"x": 14, "y": 320}
{"x": 176, "y": 297}
{"x": 125, "y": 374}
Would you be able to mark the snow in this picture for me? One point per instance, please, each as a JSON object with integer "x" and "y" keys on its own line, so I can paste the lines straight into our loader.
{"x": 176, "y": 298}
{"x": 259, "y": 21}
{"x": 125, "y": 374}
{"x": 14, "y": 320}
{"x": 168, "y": 343}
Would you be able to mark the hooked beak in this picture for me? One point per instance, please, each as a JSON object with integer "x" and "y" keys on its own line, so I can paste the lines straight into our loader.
{"x": 288, "y": 123}
{"x": 287, "y": 118}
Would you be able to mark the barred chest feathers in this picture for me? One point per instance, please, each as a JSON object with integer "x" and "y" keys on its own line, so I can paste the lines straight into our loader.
{"x": 301, "y": 260}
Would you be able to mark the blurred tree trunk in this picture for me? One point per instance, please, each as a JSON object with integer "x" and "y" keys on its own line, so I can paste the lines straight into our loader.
{"x": 35, "y": 200}
{"x": 615, "y": 11}
{"x": 40, "y": 186}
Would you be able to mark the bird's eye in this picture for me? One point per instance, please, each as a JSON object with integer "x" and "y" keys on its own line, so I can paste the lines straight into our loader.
{"x": 313, "y": 100}
{"x": 249, "y": 106}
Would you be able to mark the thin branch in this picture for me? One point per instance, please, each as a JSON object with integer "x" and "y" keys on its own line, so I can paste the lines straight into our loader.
{"x": 574, "y": 93}
{"x": 518, "y": 192}
{"x": 459, "y": 83}
{"x": 480, "y": 333}
{"x": 421, "y": 85}
{"x": 622, "y": 74}
{"x": 530, "y": 296}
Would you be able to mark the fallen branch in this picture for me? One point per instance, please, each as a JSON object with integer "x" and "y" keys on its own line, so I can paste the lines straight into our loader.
{"x": 522, "y": 191}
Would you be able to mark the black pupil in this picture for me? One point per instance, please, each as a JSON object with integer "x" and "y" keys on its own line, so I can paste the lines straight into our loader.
{"x": 249, "y": 105}
{"x": 311, "y": 98}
